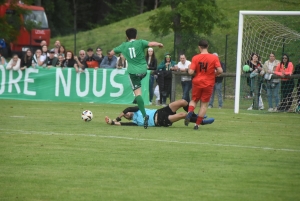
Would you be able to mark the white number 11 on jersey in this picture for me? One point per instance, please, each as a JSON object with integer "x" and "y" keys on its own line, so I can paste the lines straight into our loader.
{"x": 132, "y": 52}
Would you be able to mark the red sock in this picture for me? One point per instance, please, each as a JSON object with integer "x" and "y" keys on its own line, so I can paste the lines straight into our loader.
{"x": 199, "y": 120}
{"x": 191, "y": 108}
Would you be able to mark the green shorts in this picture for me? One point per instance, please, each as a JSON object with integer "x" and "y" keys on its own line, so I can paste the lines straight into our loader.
{"x": 135, "y": 80}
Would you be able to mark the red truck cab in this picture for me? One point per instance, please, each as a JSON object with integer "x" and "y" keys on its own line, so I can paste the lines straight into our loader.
{"x": 26, "y": 39}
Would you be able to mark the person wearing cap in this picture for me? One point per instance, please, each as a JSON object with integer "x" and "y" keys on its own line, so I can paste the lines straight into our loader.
{"x": 109, "y": 61}
{"x": 133, "y": 51}
{"x": 99, "y": 54}
{"x": 205, "y": 67}
{"x": 217, "y": 88}
{"x": 164, "y": 77}
{"x": 91, "y": 60}
{"x": 52, "y": 60}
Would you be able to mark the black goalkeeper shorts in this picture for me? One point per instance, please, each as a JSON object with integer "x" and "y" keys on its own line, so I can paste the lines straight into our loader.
{"x": 163, "y": 116}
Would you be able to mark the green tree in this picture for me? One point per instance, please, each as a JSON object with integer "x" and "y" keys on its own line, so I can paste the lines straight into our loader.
{"x": 186, "y": 18}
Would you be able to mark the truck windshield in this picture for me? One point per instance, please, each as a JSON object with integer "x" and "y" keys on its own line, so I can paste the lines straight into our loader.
{"x": 37, "y": 16}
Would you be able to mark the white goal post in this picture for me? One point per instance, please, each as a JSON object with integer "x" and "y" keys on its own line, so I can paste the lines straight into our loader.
{"x": 240, "y": 46}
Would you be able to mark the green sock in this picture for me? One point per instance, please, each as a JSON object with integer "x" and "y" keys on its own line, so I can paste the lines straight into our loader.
{"x": 140, "y": 103}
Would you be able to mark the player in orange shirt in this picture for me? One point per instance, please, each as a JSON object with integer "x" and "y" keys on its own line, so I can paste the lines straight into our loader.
{"x": 206, "y": 67}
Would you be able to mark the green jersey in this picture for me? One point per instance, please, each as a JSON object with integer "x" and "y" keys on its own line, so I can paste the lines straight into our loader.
{"x": 133, "y": 51}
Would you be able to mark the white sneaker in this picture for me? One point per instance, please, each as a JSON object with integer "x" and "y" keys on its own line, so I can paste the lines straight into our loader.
{"x": 250, "y": 108}
{"x": 209, "y": 106}
{"x": 220, "y": 107}
{"x": 270, "y": 110}
{"x": 261, "y": 108}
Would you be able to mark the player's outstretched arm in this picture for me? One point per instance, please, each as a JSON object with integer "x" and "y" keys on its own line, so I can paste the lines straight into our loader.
{"x": 155, "y": 44}
{"x": 116, "y": 123}
{"x": 111, "y": 122}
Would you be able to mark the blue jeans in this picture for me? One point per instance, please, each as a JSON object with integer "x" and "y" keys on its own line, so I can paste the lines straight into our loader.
{"x": 218, "y": 89}
{"x": 273, "y": 92}
{"x": 151, "y": 90}
{"x": 186, "y": 88}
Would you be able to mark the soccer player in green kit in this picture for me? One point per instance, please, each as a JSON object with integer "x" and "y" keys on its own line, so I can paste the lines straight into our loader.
{"x": 133, "y": 51}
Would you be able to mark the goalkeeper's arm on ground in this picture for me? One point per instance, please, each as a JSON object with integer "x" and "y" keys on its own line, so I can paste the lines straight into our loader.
{"x": 129, "y": 109}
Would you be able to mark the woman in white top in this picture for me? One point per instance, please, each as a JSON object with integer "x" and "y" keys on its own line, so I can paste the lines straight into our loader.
{"x": 272, "y": 84}
{"x": 38, "y": 59}
{"x": 14, "y": 63}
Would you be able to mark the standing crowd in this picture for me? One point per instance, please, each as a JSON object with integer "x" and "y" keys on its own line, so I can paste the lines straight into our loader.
{"x": 279, "y": 89}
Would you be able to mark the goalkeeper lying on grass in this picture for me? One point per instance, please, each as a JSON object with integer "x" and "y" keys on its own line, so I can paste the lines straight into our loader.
{"x": 165, "y": 116}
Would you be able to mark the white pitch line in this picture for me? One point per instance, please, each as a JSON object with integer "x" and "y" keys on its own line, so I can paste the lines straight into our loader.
{"x": 9, "y": 131}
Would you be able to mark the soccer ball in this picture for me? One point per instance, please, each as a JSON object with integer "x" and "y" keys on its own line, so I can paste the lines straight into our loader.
{"x": 246, "y": 68}
{"x": 87, "y": 115}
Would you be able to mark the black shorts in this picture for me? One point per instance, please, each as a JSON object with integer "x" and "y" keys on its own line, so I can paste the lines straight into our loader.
{"x": 163, "y": 116}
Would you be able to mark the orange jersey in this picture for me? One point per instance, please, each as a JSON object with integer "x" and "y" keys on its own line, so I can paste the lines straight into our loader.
{"x": 204, "y": 66}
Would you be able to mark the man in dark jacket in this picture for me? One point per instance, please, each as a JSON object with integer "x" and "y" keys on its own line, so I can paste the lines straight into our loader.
{"x": 91, "y": 60}
{"x": 51, "y": 59}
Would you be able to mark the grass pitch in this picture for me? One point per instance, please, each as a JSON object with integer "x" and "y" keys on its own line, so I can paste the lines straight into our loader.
{"x": 48, "y": 153}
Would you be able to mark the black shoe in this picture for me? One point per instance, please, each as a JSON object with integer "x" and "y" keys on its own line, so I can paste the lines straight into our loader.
{"x": 196, "y": 127}
{"x": 188, "y": 118}
{"x": 146, "y": 118}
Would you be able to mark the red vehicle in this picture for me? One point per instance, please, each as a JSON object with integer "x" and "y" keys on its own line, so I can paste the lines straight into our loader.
{"x": 26, "y": 39}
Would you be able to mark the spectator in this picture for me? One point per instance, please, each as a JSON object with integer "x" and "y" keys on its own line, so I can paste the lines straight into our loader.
{"x": 45, "y": 53}
{"x": 26, "y": 61}
{"x": 272, "y": 84}
{"x": 186, "y": 81}
{"x": 69, "y": 60}
{"x": 164, "y": 77}
{"x": 14, "y": 63}
{"x": 62, "y": 51}
{"x": 79, "y": 60}
{"x": 255, "y": 85}
{"x": 253, "y": 64}
{"x": 297, "y": 72}
{"x": 43, "y": 42}
{"x": 52, "y": 61}
{"x": 151, "y": 65}
{"x": 121, "y": 62}
{"x": 217, "y": 88}
{"x": 3, "y": 49}
{"x": 91, "y": 60}
{"x": 99, "y": 54}
{"x": 56, "y": 48}
{"x": 2, "y": 60}
{"x": 285, "y": 69}
{"x": 61, "y": 61}
{"x": 37, "y": 59}
{"x": 206, "y": 67}
{"x": 109, "y": 61}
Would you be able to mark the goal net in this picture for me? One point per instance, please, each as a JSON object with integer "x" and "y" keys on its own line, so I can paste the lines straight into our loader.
{"x": 260, "y": 34}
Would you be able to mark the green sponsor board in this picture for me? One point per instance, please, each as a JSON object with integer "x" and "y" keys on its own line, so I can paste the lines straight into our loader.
{"x": 56, "y": 84}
